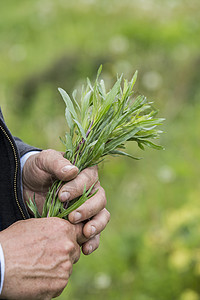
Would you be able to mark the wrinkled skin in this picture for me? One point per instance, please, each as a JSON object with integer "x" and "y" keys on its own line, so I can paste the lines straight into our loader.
{"x": 40, "y": 253}
{"x": 39, "y": 256}
{"x": 41, "y": 169}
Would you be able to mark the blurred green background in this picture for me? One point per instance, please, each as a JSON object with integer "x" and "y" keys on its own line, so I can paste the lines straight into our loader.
{"x": 151, "y": 248}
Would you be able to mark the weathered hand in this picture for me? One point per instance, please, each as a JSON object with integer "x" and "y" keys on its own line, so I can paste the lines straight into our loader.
{"x": 92, "y": 210}
{"x": 39, "y": 256}
{"x": 39, "y": 172}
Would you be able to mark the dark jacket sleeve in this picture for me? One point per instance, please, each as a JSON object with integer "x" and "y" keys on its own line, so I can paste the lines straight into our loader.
{"x": 24, "y": 148}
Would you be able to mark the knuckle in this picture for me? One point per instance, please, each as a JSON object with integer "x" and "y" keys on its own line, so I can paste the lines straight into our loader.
{"x": 72, "y": 187}
{"x": 69, "y": 247}
{"x": 105, "y": 219}
{"x": 103, "y": 196}
{"x": 87, "y": 212}
{"x": 102, "y": 221}
{"x": 43, "y": 153}
{"x": 47, "y": 152}
{"x": 58, "y": 224}
{"x": 102, "y": 224}
{"x": 90, "y": 174}
{"x": 107, "y": 214}
{"x": 44, "y": 156}
{"x": 55, "y": 164}
{"x": 96, "y": 242}
{"x": 95, "y": 169}
{"x": 61, "y": 228}
{"x": 78, "y": 254}
{"x": 40, "y": 159}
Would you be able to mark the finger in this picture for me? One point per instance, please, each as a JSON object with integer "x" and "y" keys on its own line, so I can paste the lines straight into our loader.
{"x": 97, "y": 224}
{"x": 75, "y": 187}
{"x": 75, "y": 255}
{"x": 91, "y": 207}
{"x": 53, "y": 162}
{"x": 80, "y": 238}
{"x": 91, "y": 245}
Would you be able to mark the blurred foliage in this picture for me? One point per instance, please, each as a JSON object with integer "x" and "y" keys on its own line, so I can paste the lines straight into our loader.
{"x": 150, "y": 249}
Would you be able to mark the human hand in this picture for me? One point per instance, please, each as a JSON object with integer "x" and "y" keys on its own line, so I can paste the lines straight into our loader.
{"x": 39, "y": 256}
{"x": 39, "y": 172}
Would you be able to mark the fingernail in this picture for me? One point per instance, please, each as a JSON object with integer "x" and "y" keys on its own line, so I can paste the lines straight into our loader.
{"x": 93, "y": 230}
{"x": 68, "y": 168}
{"x": 64, "y": 196}
{"x": 77, "y": 216}
{"x": 90, "y": 249}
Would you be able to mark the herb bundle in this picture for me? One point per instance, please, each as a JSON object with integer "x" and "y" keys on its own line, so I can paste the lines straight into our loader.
{"x": 99, "y": 125}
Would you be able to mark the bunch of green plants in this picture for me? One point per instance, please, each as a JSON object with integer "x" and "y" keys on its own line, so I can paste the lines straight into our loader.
{"x": 101, "y": 124}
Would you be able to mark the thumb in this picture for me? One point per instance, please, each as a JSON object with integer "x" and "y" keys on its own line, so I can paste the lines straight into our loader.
{"x": 53, "y": 162}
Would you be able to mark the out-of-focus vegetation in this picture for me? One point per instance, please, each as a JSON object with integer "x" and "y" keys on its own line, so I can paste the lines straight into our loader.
{"x": 151, "y": 248}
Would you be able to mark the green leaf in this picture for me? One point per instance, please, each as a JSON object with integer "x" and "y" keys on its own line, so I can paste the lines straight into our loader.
{"x": 138, "y": 102}
{"x": 102, "y": 88}
{"x": 97, "y": 152}
{"x": 111, "y": 119}
{"x": 33, "y": 207}
{"x": 92, "y": 144}
{"x": 110, "y": 98}
{"x": 50, "y": 199}
{"x": 81, "y": 130}
{"x": 118, "y": 152}
{"x": 68, "y": 102}
{"x": 141, "y": 146}
{"x": 75, "y": 102}
{"x": 103, "y": 137}
{"x": 57, "y": 207}
{"x": 89, "y": 84}
{"x": 99, "y": 72}
{"x": 150, "y": 122}
{"x": 152, "y": 145}
{"x": 133, "y": 80}
{"x": 129, "y": 86}
{"x": 69, "y": 118}
{"x": 85, "y": 104}
{"x": 113, "y": 144}
{"x": 78, "y": 203}
{"x": 68, "y": 143}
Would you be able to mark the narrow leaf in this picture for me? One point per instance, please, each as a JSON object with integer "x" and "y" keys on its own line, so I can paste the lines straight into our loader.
{"x": 85, "y": 104}
{"x": 81, "y": 130}
{"x": 68, "y": 142}
{"x": 68, "y": 102}
{"x": 152, "y": 145}
{"x": 75, "y": 102}
{"x": 69, "y": 118}
{"x": 118, "y": 152}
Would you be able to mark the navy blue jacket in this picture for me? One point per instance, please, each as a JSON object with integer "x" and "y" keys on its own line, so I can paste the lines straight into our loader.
{"x": 12, "y": 207}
